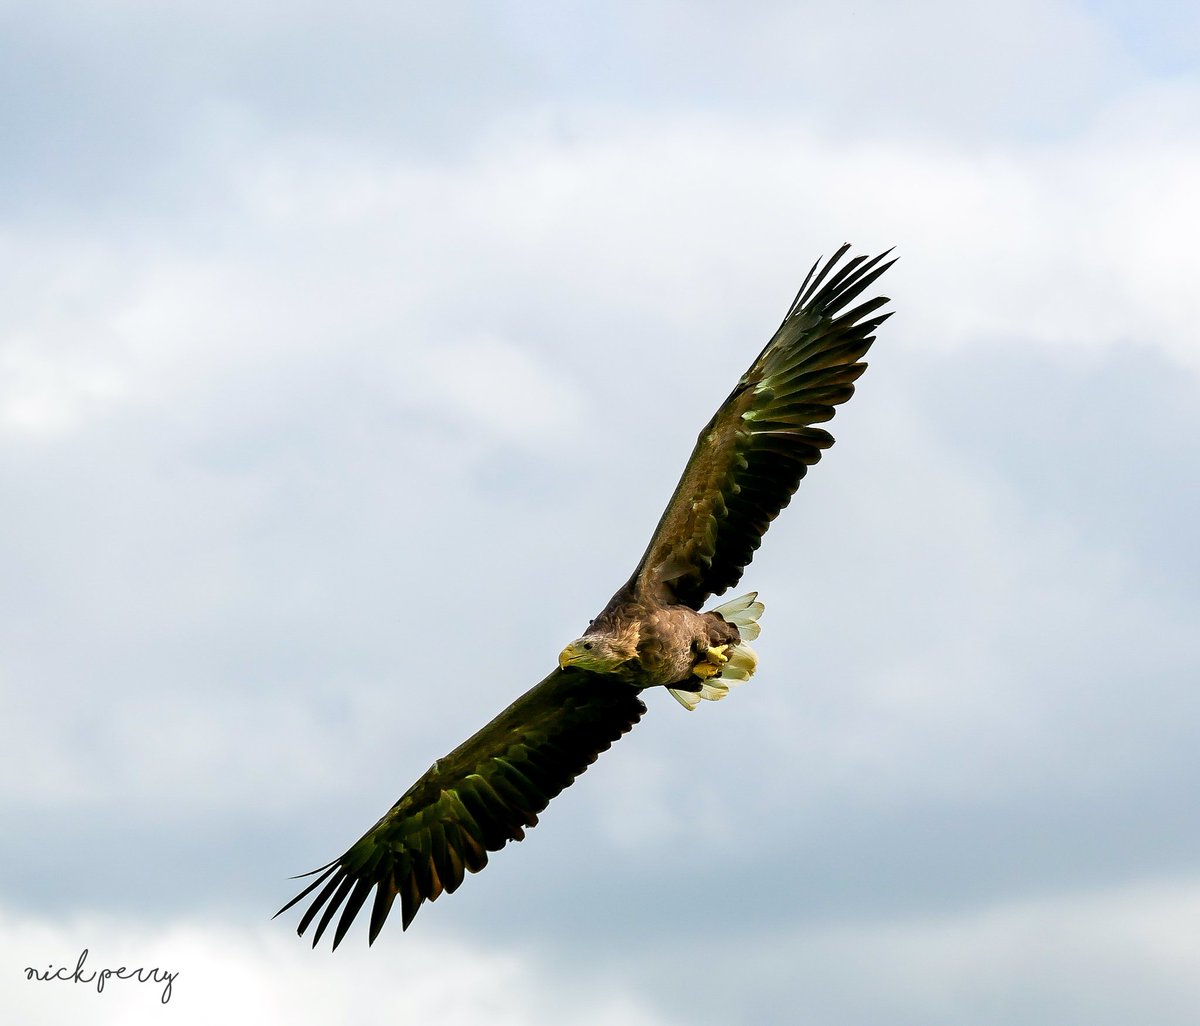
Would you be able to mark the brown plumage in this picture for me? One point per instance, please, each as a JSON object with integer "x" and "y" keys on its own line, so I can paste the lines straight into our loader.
{"x": 748, "y": 461}
{"x": 645, "y": 641}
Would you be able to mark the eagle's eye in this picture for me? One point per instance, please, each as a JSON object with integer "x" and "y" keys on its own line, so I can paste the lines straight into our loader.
{"x": 587, "y": 645}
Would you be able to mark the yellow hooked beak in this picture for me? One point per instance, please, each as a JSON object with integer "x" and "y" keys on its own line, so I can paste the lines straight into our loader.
{"x": 567, "y": 656}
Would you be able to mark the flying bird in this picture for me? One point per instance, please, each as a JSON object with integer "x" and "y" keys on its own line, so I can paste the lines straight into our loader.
{"x": 747, "y": 463}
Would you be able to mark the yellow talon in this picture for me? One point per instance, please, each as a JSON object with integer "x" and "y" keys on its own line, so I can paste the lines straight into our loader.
{"x": 710, "y": 665}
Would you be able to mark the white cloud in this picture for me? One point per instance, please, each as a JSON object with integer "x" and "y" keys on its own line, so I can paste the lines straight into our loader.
{"x": 332, "y": 248}
{"x": 1101, "y": 957}
{"x": 1066, "y": 244}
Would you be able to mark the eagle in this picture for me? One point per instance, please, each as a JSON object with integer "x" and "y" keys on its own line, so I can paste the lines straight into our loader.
{"x": 746, "y": 465}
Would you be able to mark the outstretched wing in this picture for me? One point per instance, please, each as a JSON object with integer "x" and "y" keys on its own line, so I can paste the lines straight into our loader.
{"x": 475, "y": 800}
{"x": 750, "y": 457}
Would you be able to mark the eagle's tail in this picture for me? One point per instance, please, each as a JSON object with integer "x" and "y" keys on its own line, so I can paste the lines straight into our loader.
{"x": 743, "y": 613}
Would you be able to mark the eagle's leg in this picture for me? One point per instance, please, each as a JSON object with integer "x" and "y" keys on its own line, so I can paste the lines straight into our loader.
{"x": 717, "y": 655}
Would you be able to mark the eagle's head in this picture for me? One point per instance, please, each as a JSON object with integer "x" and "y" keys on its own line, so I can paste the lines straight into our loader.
{"x": 600, "y": 651}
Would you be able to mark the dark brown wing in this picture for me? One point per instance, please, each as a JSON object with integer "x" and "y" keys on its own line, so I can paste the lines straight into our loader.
{"x": 750, "y": 457}
{"x": 475, "y": 800}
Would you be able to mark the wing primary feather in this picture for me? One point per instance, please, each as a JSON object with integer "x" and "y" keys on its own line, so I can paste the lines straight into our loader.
{"x": 815, "y": 289}
{"x": 847, "y": 297}
{"x": 344, "y": 885}
{"x": 410, "y": 901}
{"x": 856, "y": 276}
{"x": 811, "y": 285}
{"x": 832, "y": 292}
{"x": 325, "y": 870}
{"x": 359, "y": 895}
{"x": 794, "y": 305}
{"x": 384, "y": 896}
{"x": 335, "y": 880}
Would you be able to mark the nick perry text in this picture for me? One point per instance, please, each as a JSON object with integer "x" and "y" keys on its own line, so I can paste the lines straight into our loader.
{"x": 102, "y": 976}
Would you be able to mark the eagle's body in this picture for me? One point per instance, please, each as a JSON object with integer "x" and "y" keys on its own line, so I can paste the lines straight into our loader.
{"x": 748, "y": 461}
{"x": 648, "y": 643}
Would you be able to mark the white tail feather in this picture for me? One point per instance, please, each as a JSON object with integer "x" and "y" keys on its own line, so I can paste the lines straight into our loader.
{"x": 743, "y": 612}
{"x": 688, "y": 699}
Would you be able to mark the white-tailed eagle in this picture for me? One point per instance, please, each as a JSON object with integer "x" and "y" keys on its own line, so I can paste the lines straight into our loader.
{"x": 747, "y": 463}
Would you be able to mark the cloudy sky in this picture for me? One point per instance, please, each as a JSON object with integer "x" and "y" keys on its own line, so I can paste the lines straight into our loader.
{"x": 347, "y": 358}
